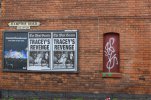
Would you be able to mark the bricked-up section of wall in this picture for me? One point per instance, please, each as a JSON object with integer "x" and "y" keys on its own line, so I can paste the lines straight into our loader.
{"x": 129, "y": 18}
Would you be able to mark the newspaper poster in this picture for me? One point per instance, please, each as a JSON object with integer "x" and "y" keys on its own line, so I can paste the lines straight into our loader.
{"x": 15, "y": 50}
{"x": 64, "y": 49}
{"x": 39, "y": 51}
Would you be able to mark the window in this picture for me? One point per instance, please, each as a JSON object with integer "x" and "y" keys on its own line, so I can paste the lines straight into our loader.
{"x": 111, "y": 52}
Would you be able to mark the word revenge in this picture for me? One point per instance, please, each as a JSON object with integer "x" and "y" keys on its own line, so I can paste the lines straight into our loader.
{"x": 64, "y": 47}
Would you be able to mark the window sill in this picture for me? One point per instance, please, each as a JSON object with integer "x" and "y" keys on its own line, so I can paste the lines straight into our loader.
{"x": 111, "y": 75}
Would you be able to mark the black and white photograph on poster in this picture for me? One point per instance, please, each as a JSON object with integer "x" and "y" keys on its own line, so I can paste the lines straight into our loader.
{"x": 39, "y": 60}
{"x": 15, "y": 54}
{"x": 63, "y": 60}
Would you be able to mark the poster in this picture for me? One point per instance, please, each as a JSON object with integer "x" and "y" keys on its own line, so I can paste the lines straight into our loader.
{"x": 64, "y": 50}
{"x": 40, "y": 51}
{"x": 15, "y": 50}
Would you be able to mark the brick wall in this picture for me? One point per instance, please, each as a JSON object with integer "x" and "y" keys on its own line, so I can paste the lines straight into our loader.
{"x": 93, "y": 18}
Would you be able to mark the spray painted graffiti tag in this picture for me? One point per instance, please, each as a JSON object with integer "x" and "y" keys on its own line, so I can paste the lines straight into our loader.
{"x": 110, "y": 54}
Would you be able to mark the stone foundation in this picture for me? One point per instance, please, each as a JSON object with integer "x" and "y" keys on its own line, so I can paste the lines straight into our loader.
{"x": 43, "y": 95}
